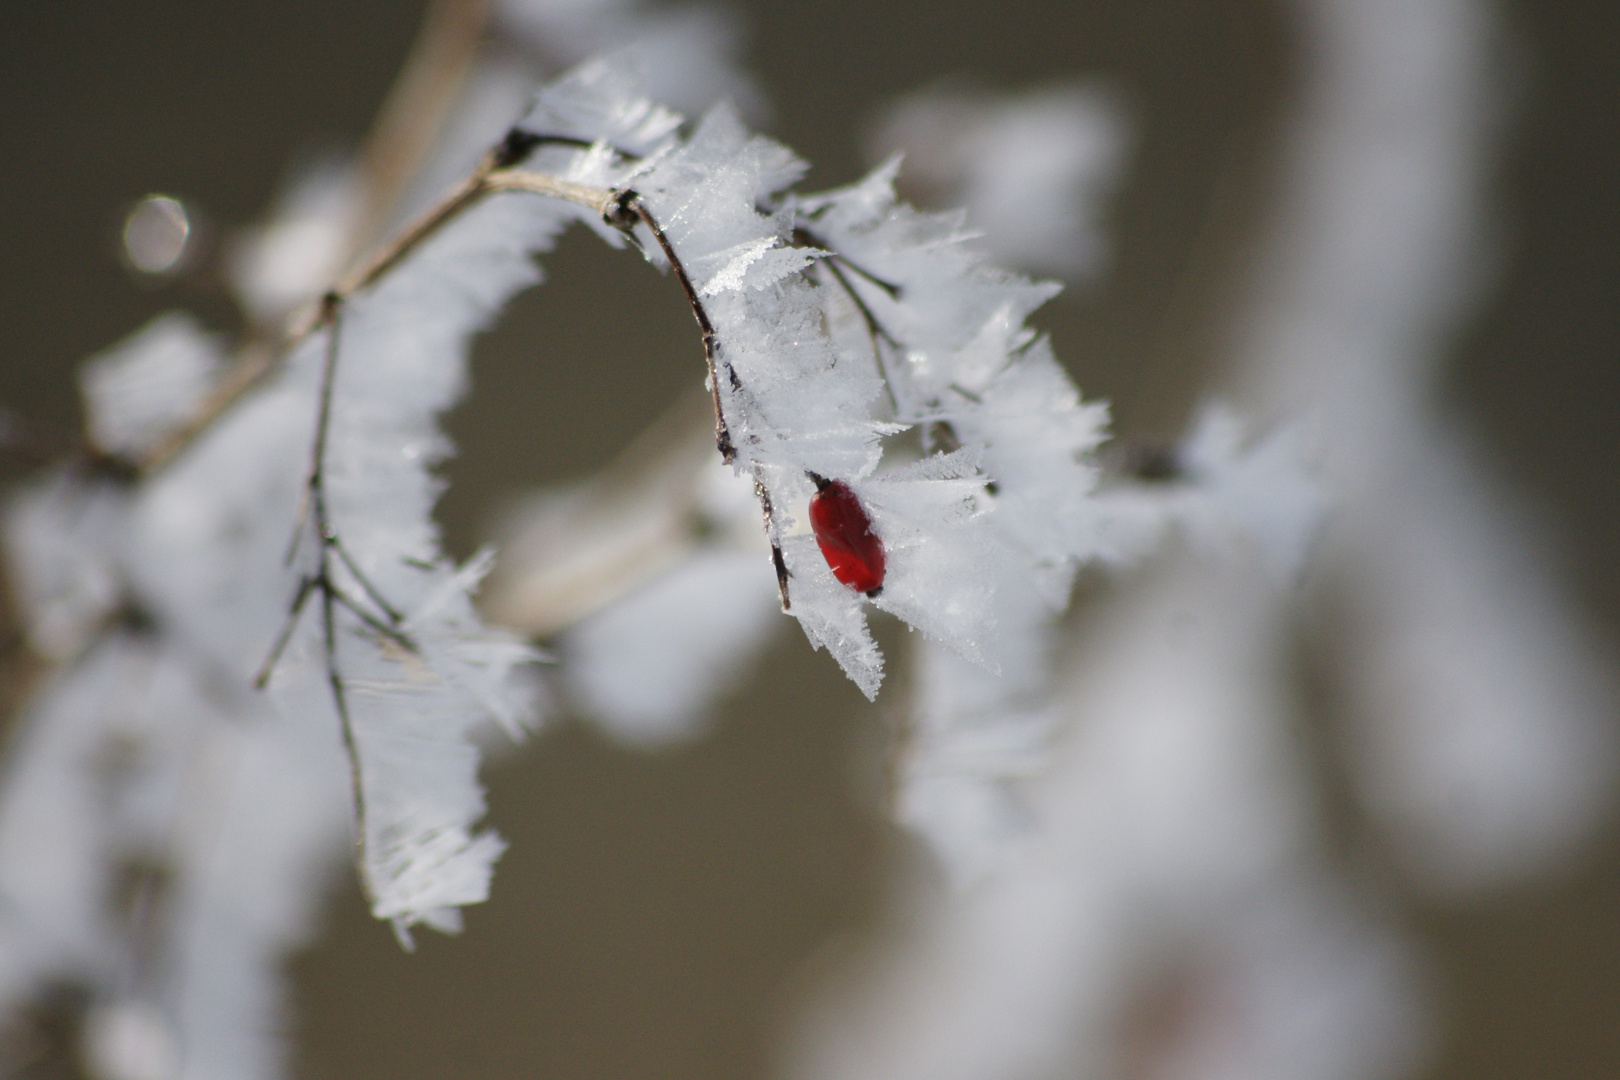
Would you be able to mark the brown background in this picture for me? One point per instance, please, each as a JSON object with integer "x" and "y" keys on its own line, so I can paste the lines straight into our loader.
{"x": 655, "y": 913}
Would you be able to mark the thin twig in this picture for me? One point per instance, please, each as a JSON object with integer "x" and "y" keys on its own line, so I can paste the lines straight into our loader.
{"x": 328, "y": 546}
{"x": 492, "y": 176}
{"x": 469, "y": 191}
{"x": 394, "y": 615}
{"x": 334, "y": 679}
{"x": 629, "y": 208}
{"x": 930, "y": 430}
{"x": 806, "y": 238}
{"x": 875, "y": 331}
{"x": 392, "y": 633}
{"x": 331, "y": 314}
{"x": 777, "y": 560}
{"x": 305, "y": 587}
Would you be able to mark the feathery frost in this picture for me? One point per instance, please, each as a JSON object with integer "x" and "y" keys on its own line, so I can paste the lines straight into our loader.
{"x": 923, "y": 335}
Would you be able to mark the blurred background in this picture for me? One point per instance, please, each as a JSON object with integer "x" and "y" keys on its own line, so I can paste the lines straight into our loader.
{"x": 663, "y": 915}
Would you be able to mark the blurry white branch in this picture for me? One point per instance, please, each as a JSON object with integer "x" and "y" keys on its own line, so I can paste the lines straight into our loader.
{"x": 1479, "y": 713}
{"x": 1173, "y": 912}
{"x": 1033, "y": 170}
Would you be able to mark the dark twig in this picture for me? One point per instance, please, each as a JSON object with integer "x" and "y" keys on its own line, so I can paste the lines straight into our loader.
{"x": 520, "y": 143}
{"x": 803, "y": 237}
{"x": 376, "y": 596}
{"x": 305, "y": 587}
{"x": 330, "y": 550}
{"x": 627, "y": 210}
{"x": 340, "y": 700}
{"x": 499, "y": 171}
{"x": 875, "y": 331}
{"x": 933, "y": 431}
{"x": 392, "y": 633}
{"x": 777, "y": 560}
{"x": 873, "y": 325}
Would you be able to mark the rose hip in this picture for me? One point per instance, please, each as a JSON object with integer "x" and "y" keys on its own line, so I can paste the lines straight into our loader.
{"x": 844, "y": 532}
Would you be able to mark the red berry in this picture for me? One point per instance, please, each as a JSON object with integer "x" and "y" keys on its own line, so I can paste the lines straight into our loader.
{"x": 844, "y": 532}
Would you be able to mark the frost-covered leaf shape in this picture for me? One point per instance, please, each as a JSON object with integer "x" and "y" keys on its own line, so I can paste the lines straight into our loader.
{"x": 945, "y": 348}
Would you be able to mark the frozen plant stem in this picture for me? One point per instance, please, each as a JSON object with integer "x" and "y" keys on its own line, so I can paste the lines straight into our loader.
{"x": 498, "y": 172}
{"x": 627, "y": 211}
{"x": 330, "y": 545}
{"x": 876, "y": 333}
